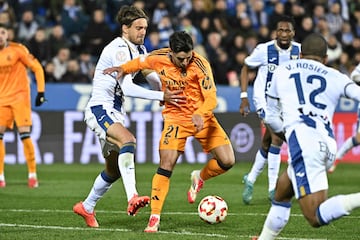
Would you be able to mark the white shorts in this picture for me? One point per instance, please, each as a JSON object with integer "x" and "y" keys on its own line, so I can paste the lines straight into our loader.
{"x": 99, "y": 118}
{"x": 311, "y": 153}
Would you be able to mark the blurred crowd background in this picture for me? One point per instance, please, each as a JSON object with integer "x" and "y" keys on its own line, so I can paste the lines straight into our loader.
{"x": 67, "y": 36}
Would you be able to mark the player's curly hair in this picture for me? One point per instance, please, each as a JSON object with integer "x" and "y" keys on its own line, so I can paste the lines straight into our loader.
{"x": 181, "y": 41}
{"x": 128, "y": 14}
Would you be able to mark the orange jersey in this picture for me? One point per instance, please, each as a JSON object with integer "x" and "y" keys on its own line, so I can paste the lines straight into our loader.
{"x": 197, "y": 83}
{"x": 14, "y": 81}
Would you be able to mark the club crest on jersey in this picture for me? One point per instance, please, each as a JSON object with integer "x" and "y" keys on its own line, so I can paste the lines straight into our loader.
{"x": 271, "y": 67}
{"x": 121, "y": 56}
{"x": 293, "y": 57}
{"x": 206, "y": 83}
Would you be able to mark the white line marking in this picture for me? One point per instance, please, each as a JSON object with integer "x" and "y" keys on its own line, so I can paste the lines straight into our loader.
{"x": 165, "y": 213}
{"x": 15, "y": 225}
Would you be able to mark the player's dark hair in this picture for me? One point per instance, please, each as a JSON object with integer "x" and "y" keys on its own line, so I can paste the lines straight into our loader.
{"x": 314, "y": 44}
{"x": 128, "y": 14}
{"x": 181, "y": 42}
{"x": 286, "y": 18}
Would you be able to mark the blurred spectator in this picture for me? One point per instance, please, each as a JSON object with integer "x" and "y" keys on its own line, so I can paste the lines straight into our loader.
{"x": 54, "y": 11}
{"x": 12, "y": 34}
{"x": 205, "y": 27}
{"x": 213, "y": 43}
{"x": 198, "y": 47}
{"x": 240, "y": 12}
{"x": 152, "y": 40}
{"x": 60, "y": 62}
{"x": 182, "y": 7}
{"x": 307, "y": 27}
{"x": 39, "y": 46}
{"x": 6, "y": 7}
{"x": 355, "y": 20}
{"x": 297, "y": 12}
{"x": 57, "y": 39}
{"x": 238, "y": 60}
{"x": 245, "y": 27}
{"x": 89, "y": 6}
{"x": 87, "y": 64}
{"x": 97, "y": 34}
{"x": 334, "y": 49}
{"x": 221, "y": 67}
{"x": 257, "y": 14}
{"x": 74, "y": 21}
{"x": 251, "y": 41}
{"x": 263, "y": 34}
{"x": 354, "y": 49}
{"x": 344, "y": 64}
{"x": 346, "y": 34}
{"x": 220, "y": 19}
{"x": 22, "y": 6}
{"x": 278, "y": 12}
{"x": 49, "y": 71}
{"x": 334, "y": 19}
{"x": 318, "y": 13}
{"x": 5, "y": 20}
{"x": 160, "y": 11}
{"x": 322, "y": 27}
{"x": 165, "y": 29}
{"x": 113, "y": 6}
{"x": 73, "y": 73}
{"x": 186, "y": 25}
{"x": 27, "y": 26}
{"x": 237, "y": 43}
{"x": 197, "y": 12}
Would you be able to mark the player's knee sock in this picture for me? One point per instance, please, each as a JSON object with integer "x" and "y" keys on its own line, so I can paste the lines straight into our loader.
{"x": 29, "y": 153}
{"x": 2, "y": 157}
{"x": 159, "y": 190}
{"x": 336, "y": 207}
{"x": 276, "y": 220}
{"x": 273, "y": 165}
{"x": 101, "y": 185}
{"x": 347, "y": 145}
{"x": 212, "y": 169}
{"x": 258, "y": 166}
{"x": 126, "y": 164}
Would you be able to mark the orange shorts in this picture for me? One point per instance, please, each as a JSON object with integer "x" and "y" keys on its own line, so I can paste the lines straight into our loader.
{"x": 175, "y": 133}
{"x": 20, "y": 112}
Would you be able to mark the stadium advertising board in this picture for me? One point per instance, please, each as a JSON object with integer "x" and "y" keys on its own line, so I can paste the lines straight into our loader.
{"x": 63, "y": 137}
{"x": 64, "y": 97}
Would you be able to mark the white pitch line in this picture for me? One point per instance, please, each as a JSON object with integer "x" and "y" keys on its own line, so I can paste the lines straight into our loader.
{"x": 165, "y": 213}
{"x": 14, "y": 225}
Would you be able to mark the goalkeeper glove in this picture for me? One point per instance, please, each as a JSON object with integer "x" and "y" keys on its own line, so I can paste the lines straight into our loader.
{"x": 40, "y": 99}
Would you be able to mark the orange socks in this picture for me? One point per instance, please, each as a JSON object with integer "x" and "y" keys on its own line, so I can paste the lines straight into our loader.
{"x": 159, "y": 191}
{"x": 29, "y": 153}
{"x": 2, "y": 156}
{"x": 211, "y": 169}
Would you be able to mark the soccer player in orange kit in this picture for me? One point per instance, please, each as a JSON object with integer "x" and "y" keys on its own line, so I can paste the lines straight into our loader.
{"x": 15, "y": 100}
{"x": 179, "y": 67}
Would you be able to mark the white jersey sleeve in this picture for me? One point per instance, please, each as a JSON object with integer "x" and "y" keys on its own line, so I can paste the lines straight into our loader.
{"x": 108, "y": 91}
{"x": 355, "y": 74}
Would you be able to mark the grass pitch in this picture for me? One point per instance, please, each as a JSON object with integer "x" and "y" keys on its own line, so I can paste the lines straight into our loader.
{"x": 46, "y": 212}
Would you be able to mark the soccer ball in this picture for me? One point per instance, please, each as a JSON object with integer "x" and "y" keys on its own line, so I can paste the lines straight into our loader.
{"x": 212, "y": 209}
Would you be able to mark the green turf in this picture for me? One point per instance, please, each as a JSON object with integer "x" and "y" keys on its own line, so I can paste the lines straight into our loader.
{"x": 46, "y": 212}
